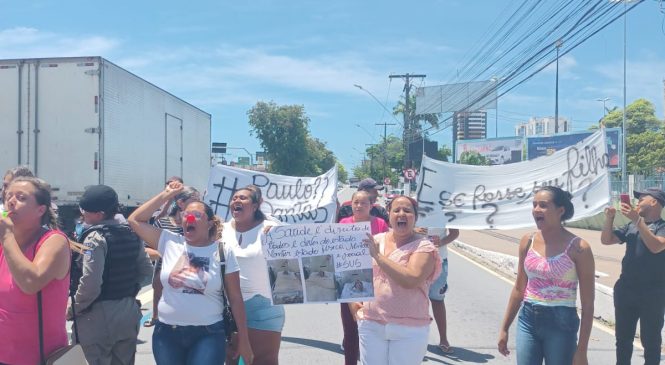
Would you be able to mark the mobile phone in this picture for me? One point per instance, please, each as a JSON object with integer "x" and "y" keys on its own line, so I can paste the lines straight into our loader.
{"x": 625, "y": 198}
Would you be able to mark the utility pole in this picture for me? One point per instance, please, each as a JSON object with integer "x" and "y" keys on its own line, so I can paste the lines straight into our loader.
{"x": 385, "y": 144}
{"x": 559, "y": 43}
{"x": 407, "y": 123}
{"x": 371, "y": 157}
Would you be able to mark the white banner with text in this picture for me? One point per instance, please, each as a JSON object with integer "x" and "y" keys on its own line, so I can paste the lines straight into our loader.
{"x": 500, "y": 197}
{"x": 287, "y": 198}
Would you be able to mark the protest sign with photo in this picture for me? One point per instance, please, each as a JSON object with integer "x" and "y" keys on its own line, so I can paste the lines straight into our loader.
{"x": 289, "y": 199}
{"x": 500, "y": 197}
{"x": 319, "y": 263}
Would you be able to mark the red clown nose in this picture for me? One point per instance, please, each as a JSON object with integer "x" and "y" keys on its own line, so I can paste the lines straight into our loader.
{"x": 190, "y": 218}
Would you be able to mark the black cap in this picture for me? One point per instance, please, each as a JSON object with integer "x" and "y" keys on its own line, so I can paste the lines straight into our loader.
{"x": 652, "y": 192}
{"x": 99, "y": 198}
{"x": 369, "y": 183}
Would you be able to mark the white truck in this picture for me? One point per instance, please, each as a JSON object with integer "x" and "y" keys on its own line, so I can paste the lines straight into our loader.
{"x": 84, "y": 121}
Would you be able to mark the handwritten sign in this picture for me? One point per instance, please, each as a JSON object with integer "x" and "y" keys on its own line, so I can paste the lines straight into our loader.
{"x": 499, "y": 197}
{"x": 289, "y": 199}
{"x": 314, "y": 263}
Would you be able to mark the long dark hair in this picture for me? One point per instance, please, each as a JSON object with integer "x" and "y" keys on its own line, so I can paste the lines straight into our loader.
{"x": 257, "y": 198}
{"x": 561, "y": 198}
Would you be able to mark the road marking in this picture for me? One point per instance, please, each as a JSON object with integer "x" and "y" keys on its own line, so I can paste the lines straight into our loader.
{"x": 596, "y": 323}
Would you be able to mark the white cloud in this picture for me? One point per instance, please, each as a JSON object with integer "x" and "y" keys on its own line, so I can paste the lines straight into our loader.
{"x": 567, "y": 64}
{"x": 24, "y": 42}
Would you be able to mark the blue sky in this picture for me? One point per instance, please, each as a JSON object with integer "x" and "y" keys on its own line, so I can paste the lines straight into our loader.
{"x": 225, "y": 56}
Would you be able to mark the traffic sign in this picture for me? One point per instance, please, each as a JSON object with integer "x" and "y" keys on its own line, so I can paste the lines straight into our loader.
{"x": 386, "y": 181}
{"x": 409, "y": 174}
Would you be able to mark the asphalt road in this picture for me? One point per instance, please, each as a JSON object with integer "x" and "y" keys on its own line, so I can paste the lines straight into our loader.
{"x": 475, "y": 303}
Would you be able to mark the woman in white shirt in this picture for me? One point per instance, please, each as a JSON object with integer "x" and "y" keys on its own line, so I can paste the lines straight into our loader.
{"x": 244, "y": 235}
{"x": 190, "y": 327}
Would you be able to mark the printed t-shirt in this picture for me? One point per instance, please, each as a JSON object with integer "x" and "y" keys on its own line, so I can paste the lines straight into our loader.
{"x": 191, "y": 278}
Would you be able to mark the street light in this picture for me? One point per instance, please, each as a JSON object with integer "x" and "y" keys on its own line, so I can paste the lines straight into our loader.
{"x": 377, "y": 100}
{"x": 604, "y": 100}
{"x": 558, "y": 45}
{"x": 495, "y": 80}
{"x": 365, "y": 130}
{"x": 624, "y": 181}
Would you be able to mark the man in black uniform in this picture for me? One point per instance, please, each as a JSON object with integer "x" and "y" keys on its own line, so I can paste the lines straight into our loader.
{"x": 639, "y": 294}
{"x": 107, "y": 313}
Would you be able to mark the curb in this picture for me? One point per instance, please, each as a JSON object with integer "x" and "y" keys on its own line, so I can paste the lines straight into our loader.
{"x": 507, "y": 265}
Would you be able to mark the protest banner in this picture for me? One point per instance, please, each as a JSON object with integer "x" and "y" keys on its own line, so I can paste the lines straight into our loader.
{"x": 287, "y": 198}
{"x": 499, "y": 197}
{"x": 319, "y": 263}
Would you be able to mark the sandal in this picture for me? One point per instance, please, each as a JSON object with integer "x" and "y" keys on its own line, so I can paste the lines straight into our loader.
{"x": 149, "y": 323}
{"x": 447, "y": 349}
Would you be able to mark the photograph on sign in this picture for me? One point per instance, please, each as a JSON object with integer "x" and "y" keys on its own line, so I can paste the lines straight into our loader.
{"x": 285, "y": 281}
{"x": 538, "y": 146}
{"x": 355, "y": 284}
{"x": 499, "y": 151}
{"x": 319, "y": 263}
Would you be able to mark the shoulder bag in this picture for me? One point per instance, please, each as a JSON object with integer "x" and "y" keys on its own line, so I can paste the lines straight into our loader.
{"x": 229, "y": 322}
{"x": 67, "y": 355}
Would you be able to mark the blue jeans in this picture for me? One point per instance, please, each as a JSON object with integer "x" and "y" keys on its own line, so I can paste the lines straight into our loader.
{"x": 548, "y": 333}
{"x": 189, "y": 345}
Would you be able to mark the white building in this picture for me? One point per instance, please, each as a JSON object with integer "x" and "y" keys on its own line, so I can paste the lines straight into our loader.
{"x": 542, "y": 126}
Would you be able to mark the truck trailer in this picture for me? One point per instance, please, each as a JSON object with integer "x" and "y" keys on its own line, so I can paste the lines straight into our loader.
{"x": 82, "y": 121}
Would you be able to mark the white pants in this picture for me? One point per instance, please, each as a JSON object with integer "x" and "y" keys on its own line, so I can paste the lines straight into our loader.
{"x": 391, "y": 344}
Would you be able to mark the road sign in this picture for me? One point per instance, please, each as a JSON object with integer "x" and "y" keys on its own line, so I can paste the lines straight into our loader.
{"x": 409, "y": 174}
{"x": 218, "y": 147}
{"x": 386, "y": 181}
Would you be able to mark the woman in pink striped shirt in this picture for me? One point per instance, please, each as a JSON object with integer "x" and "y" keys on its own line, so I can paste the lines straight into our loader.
{"x": 394, "y": 328}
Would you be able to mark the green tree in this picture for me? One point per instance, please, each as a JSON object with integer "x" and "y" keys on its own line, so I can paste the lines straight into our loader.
{"x": 473, "y": 158}
{"x": 645, "y": 137}
{"x": 342, "y": 175}
{"x": 640, "y": 117}
{"x": 444, "y": 153}
{"x": 646, "y": 152}
{"x": 284, "y": 134}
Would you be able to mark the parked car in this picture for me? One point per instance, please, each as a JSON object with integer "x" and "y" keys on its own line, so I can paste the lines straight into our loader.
{"x": 394, "y": 193}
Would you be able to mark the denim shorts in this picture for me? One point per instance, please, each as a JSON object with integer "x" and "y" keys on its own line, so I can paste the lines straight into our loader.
{"x": 438, "y": 289}
{"x": 261, "y": 315}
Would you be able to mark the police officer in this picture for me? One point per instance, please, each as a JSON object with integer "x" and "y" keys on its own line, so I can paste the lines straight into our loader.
{"x": 639, "y": 294}
{"x": 110, "y": 271}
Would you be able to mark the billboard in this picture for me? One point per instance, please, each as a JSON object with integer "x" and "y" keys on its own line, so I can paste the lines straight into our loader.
{"x": 500, "y": 151}
{"x": 538, "y": 146}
